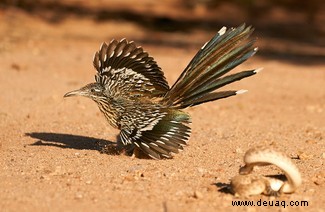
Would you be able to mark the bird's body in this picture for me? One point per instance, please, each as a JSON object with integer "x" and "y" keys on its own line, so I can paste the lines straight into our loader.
{"x": 134, "y": 96}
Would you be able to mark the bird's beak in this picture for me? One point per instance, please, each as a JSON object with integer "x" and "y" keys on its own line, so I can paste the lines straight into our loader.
{"x": 73, "y": 93}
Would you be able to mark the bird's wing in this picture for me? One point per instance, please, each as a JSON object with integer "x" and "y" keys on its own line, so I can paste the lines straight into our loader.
{"x": 124, "y": 64}
{"x": 160, "y": 135}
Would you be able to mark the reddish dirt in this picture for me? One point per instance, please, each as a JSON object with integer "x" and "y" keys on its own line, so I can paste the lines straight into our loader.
{"x": 50, "y": 146}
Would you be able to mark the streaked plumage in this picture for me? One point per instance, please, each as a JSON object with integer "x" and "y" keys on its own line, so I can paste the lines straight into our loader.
{"x": 134, "y": 96}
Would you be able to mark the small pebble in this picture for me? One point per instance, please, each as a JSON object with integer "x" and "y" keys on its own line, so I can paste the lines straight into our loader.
{"x": 15, "y": 66}
{"x": 304, "y": 156}
{"x": 311, "y": 141}
{"x": 129, "y": 178}
{"x": 311, "y": 190}
{"x": 201, "y": 171}
{"x": 78, "y": 196}
{"x": 323, "y": 155}
{"x": 238, "y": 151}
{"x": 198, "y": 195}
{"x": 319, "y": 178}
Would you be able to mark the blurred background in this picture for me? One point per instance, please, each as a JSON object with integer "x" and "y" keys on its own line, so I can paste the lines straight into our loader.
{"x": 291, "y": 30}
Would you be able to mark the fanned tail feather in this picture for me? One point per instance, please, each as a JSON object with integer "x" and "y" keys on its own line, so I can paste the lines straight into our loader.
{"x": 204, "y": 74}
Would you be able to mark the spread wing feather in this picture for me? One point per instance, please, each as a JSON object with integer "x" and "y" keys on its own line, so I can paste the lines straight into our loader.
{"x": 127, "y": 63}
{"x": 169, "y": 134}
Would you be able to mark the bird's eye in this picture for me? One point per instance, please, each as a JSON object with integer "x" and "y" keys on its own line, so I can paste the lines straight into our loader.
{"x": 92, "y": 90}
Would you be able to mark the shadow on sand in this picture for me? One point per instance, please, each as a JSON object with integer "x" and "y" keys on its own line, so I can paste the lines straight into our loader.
{"x": 73, "y": 142}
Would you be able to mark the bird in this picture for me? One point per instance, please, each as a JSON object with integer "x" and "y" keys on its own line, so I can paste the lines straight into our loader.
{"x": 131, "y": 90}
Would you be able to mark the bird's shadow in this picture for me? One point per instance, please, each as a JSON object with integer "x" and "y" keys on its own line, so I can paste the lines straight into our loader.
{"x": 73, "y": 142}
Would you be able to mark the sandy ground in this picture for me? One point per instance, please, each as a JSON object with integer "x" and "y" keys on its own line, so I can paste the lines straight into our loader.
{"x": 50, "y": 147}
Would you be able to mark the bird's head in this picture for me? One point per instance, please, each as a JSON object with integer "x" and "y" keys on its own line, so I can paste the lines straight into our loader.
{"x": 92, "y": 90}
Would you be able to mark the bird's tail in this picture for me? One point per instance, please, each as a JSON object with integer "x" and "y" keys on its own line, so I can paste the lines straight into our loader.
{"x": 205, "y": 73}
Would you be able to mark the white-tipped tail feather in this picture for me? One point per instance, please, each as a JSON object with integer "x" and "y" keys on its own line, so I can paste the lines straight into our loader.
{"x": 241, "y": 91}
{"x": 258, "y": 70}
{"x": 222, "y": 30}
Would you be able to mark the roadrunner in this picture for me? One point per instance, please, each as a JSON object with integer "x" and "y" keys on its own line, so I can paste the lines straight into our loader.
{"x": 133, "y": 94}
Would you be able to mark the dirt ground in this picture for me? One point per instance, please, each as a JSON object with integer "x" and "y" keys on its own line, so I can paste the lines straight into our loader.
{"x": 51, "y": 158}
